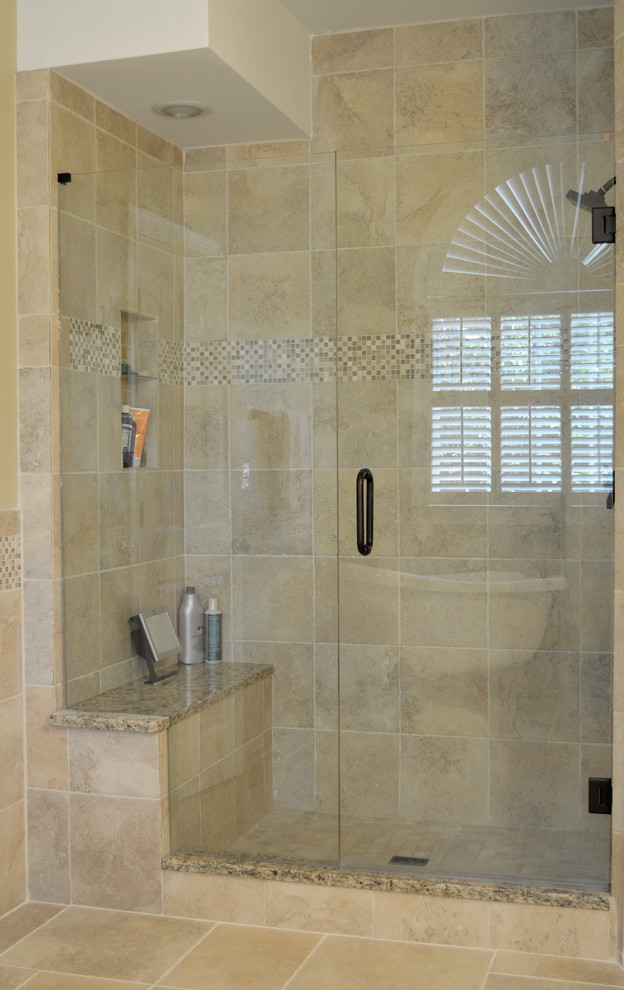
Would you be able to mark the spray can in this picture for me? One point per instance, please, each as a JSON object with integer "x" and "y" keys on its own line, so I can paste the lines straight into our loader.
{"x": 212, "y": 632}
{"x": 190, "y": 627}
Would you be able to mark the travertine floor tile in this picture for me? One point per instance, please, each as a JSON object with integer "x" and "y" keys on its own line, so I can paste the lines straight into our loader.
{"x": 62, "y": 981}
{"x": 498, "y": 982}
{"x": 92, "y": 949}
{"x": 11, "y": 978}
{"x": 364, "y": 964}
{"x": 116, "y": 945}
{"x": 24, "y": 920}
{"x": 242, "y": 959}
{"x": 602, "y": 974}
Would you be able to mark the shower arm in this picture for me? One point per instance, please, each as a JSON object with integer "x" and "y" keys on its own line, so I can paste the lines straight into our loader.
{"x": 604, "y": 189}
{"x": 592, "y": 199}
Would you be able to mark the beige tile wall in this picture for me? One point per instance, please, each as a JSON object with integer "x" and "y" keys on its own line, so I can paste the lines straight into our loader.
{"x": 249, "y": 461}
{"x": 62, "y": 128}
{"x": 116, "y": 805}
{"x": 220, "y": 771}
{"x": 120, "y": 251}
{"x": 12, "y": 729}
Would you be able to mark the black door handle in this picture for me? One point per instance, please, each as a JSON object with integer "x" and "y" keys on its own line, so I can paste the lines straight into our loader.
{"x": 364, "y": 520}
{"x": 611, "y": 495}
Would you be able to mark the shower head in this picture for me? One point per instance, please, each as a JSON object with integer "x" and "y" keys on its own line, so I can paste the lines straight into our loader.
{"x": 592, "y": 199}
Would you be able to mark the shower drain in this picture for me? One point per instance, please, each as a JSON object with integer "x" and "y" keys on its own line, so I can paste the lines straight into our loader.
{"x": 409, "y": 860}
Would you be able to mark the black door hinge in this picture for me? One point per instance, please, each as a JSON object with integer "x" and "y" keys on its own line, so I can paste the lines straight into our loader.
{"x": 600, "y": 796}
{"x": 603, "y": 225}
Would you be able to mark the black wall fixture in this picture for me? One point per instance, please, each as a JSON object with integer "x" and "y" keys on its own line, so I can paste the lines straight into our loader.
{"x": 603, "y": 216}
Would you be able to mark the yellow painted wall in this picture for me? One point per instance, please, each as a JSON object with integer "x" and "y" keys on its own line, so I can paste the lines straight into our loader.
{"x": 8, "y": 300}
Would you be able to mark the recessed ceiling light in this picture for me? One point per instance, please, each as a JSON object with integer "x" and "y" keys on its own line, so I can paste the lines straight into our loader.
{"x": 181, "y": 109}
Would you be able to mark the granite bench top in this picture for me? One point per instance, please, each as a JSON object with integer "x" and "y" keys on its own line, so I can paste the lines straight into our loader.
{"x": 140, "y": 707}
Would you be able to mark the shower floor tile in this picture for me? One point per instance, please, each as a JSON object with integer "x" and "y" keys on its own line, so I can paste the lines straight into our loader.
{"x": 568, "y": 857}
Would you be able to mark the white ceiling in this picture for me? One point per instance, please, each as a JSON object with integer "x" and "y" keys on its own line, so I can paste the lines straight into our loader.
{"x": 323, "y": 16}
{"x": 240, "y": 114}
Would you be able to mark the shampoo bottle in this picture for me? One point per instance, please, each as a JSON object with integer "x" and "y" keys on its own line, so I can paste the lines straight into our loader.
{"x": 190, "y": 628}
{"x": 212, "y": 632}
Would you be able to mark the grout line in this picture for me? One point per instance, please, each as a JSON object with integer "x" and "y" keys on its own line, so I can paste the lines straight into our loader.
{"x": 31, "y": 975}
{"x": 185, "y": 955}
{"x": 61, "y": 909}
{"x": 493, "y": 954}
{"x": 305, "y": 961}
{"x": 91, "y": 976}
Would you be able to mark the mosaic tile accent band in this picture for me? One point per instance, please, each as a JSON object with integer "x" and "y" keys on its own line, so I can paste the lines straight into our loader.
{"x": 356, "y": 358}
{"x": 10, "y": 562}
{"x": 383, "y": 357}
{"x": 365, "y": 358}
{"x": 94, "y": 348}
{"x": 170, "y": 361}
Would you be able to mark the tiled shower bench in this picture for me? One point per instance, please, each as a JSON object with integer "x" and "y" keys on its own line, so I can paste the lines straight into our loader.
{"x": 201, "y": 744}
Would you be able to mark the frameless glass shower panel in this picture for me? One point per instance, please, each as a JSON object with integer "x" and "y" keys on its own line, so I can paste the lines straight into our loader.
{"x": 551, "y": 519}
{"x": 475, "y": 357}
{"x": 261, "y": 516}
{"x": 121, "y": 344}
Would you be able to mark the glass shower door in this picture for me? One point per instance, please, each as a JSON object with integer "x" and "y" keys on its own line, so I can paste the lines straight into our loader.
{"x": 260, "y": 483}
{"x": 475, "y": 365}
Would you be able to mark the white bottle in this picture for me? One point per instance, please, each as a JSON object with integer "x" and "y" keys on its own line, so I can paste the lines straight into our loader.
{"x": 191, "y": 628}
{"x": 212, "y": 632}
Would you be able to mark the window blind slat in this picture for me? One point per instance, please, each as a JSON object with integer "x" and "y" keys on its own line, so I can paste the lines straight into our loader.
{"x": 591, "y": 429}
{"x": 530, "y": 448}
{"x": 530, "y": 352}
{"x": 461, "y": 456}
{"x": 533, "y": 354}
{"x": 591, "y": 350}
{"x": 461, "y": 354}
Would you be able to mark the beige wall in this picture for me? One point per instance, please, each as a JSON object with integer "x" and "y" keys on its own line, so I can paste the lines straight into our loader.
{"x": 120, "y": 305}
{"x": 8, "y": 364}
{"x": 60, "y": 129}
{"x": 12, "y": 817}
{"x": 12, "y": 859}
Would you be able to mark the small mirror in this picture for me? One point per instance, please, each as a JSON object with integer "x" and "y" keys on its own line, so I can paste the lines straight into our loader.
{"x": 155, "y": 639}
